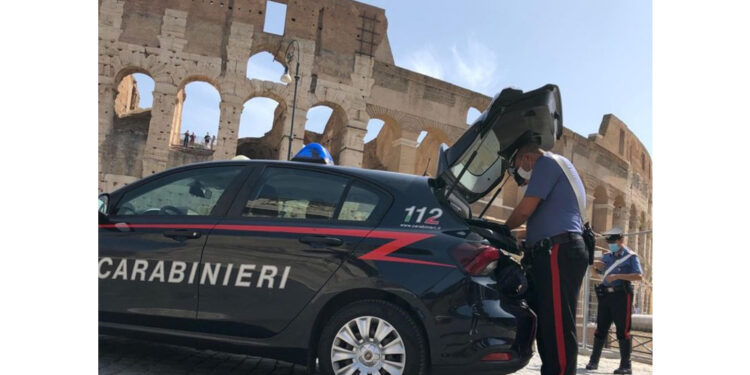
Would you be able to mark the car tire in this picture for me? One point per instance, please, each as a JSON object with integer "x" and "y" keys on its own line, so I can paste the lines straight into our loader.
{"x": 381, "y": 349}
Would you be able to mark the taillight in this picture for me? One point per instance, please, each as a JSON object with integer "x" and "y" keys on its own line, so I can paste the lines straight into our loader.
{"x": 477, "y": 260}
{"x": 497, "y": 357}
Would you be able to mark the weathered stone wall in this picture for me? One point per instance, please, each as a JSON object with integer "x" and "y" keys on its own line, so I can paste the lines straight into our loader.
{"x": 127, "y": 96}
{"x": 346, "y": 64}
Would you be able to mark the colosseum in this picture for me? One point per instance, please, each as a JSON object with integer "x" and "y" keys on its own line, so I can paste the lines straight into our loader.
{"x": 346, "y": 64}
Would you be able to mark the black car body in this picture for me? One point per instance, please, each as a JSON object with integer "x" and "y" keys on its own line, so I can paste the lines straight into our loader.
{"x": 261, "y": 256}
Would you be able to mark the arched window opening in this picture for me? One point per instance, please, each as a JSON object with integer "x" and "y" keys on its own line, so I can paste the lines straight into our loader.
{"x": 196, "y": 118}
{"x": 317, "y": 119}
{"x": 471, "y": 115}
{"x": 370, "y": 159}
{"x": 429, "y": 142}
{"x": 265, "y": 67}
{"x": 325, "y": 125}
{"x": 134, "y": 94}
{"x": 373, "y": 129}
{"x": 259, "y": 117}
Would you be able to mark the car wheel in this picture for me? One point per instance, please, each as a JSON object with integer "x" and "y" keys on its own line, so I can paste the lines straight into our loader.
{"x": 372, "y": 337}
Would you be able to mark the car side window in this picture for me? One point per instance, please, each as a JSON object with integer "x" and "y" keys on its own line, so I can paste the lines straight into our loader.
{"x": 192, "y": 192}
{"x": 290, "y": 193}
{"x": 359, "y": 205}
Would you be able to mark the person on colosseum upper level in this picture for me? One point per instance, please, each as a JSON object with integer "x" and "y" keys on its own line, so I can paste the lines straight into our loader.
{"x": 207, "y": 139}
{"x": 558, "y": 253}
{"x": 186, "y": 139}
{"x": 192, "y": 138}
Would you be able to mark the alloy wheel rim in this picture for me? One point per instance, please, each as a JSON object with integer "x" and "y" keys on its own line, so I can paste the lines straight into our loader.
{"x": 368, "y": 345}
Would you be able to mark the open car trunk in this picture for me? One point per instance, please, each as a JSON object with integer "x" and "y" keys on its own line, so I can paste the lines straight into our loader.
{"x": 476, "y": 162}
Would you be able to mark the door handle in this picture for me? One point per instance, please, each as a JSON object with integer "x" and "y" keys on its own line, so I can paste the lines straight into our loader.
{"x": 321, "y": 240}
{"x": 179, "y": 234}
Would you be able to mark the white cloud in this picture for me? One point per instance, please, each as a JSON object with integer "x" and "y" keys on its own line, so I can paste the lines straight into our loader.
{"x": 424, "y": 61}
{"x": 475, "y": 66}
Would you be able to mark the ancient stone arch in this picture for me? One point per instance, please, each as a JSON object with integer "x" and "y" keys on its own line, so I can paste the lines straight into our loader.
{"x": 427, "y": 151}
{"x": 277, "y": 58}
{"x": 176, "y": 127}
{"x": 333, "y": 134}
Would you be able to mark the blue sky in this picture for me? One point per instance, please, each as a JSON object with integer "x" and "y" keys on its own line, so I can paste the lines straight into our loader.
{"x": 598, "y": 52}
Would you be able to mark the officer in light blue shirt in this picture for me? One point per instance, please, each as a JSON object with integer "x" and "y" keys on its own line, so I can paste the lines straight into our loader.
{"x": 625, "y": 271}
{"x": 618, "y": 268}
{"x": 558, "y": 253}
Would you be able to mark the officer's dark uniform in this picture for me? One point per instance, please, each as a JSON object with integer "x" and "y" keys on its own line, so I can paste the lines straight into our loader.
{"x": 558, "y": 263}
{"x": 615, "y": 304}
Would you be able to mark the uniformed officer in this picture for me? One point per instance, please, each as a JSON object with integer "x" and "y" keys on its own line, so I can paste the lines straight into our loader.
{"x": 559, "y": 259}
{"x": 619, "y": 268}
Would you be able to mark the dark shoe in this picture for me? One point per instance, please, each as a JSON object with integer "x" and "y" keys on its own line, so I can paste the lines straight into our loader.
{"x": 625, "y": 348}
{"x": 596, "y": 352}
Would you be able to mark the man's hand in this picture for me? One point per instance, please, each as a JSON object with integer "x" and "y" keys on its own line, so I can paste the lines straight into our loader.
{"x": 522, "y": 212}
{"x": 612, "y": 278}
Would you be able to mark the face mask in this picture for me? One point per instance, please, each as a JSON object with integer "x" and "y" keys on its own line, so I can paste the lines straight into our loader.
{"x": 524, "y": 173}
{"x": 613, "y": 247}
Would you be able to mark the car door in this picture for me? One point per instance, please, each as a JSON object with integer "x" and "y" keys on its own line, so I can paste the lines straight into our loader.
{"x": 287, "y": 233}
{"x": 151, "y": 243}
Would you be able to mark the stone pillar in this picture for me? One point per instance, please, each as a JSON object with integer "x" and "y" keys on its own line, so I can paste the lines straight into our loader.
{"x": 632, "y": 241}
{"x": 229, "y": 125}
{"x": 107, "y": 93}
{"x": 590, "y": 208}
{"x": 300, "y": 117}
{"x": 403, "y": 153}
{"x": 353, "y": 145}
{"x": 602, "y": 217}
{"x": 176, "y": 138}
{"x": 156, "y": 153}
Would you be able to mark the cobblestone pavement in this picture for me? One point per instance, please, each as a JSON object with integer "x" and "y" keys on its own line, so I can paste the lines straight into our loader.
{"x": 125, "y": 356}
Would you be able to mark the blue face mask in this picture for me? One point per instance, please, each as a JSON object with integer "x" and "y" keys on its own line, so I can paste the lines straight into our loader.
{"x": 613, "y": 247}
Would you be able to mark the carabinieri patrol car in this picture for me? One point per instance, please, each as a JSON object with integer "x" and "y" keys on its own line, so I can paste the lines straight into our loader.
{"x": 358, "y": 271}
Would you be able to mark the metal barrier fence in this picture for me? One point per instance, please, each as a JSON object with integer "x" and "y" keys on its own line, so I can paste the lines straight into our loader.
{"x": 641, "y": 333}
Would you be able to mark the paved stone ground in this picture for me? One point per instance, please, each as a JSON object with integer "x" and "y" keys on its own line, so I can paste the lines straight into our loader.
{"x": 125, "y": 356}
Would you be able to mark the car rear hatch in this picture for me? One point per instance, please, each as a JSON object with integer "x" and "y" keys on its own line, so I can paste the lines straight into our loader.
{"x": 512, "y": 119}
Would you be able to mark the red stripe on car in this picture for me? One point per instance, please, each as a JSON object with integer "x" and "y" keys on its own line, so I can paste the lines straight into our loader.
{"x": 381, "y": 253}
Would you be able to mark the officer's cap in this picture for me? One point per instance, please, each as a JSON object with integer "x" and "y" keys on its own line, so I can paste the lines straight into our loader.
{"x": 613, "y": 235}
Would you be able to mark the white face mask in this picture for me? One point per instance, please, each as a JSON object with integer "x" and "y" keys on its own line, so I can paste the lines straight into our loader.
{"x": 526, "y": 175}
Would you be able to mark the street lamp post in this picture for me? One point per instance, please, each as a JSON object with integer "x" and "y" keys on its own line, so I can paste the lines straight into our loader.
{"x": 286, "y": 78}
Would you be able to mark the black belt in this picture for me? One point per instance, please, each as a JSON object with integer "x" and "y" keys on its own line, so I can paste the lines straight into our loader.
{"x": 612, "y": 289}
{"x": 545, "y": 244}
{"x": 566, "y": 237}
